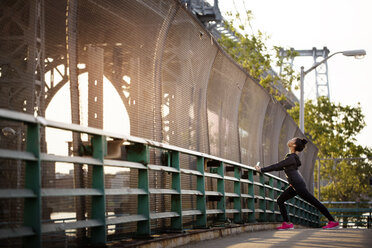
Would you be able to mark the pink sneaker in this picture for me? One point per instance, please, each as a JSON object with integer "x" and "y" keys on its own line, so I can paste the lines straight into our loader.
{"x": 285, "y": 226}
{"x": 332, "y": 225}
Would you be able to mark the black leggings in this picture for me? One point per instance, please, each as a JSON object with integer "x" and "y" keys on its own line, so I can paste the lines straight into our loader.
{"x": 300, "y": 189}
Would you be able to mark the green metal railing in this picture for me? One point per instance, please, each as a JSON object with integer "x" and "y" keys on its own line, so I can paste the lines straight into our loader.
{"x": 351, "y": 214}
{"x": 260, "y": 207}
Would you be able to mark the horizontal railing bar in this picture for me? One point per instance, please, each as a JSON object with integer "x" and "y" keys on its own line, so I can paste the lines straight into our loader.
{"x": 257, "y": 210}
{"x": 246, "y": 181}
{"x": 16, "y": 193}
{"x": 55, "y": 227}
{"x": 125, "y": 219}
{"x": 191, "y": 192}
{"x": 16, "y": 232}
{"x": 66, "y": 159}
{"x": 191, "y": 172}
{"x": 163, "y": 215}
{"x": 232, "y": 211}
{"x": 17, "y": 116}
{"x": 215, "y": 193}
{"x": 125, "y": 191}
{"x": 258, "y": 184}
{"x": 214, "y": 211}
{"x": 259, "y": 197}
{"x": 19, "y": 155}
{"x": 162, "y": 168}
{"x": 247, "y": 210}
{"x": 163, "y": 191}
{"x": 70, "y": 192}
{"x": 231, "y": 178}
{"x": 246, "y": 196}
{"x": 231, "y": 194}
{"x": 191, "y": 212}
{"x": 212, "y": 175}
{"x": 125, "y": 164}
{"x": 346, "y": 202}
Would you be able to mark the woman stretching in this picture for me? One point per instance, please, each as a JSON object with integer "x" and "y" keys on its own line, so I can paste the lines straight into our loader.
{"x": 297, "y": 184}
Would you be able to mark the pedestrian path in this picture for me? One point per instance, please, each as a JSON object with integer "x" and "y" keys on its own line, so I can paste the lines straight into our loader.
{"x": 297, "y": 238}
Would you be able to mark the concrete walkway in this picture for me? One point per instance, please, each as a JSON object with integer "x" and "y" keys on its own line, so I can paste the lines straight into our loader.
{"x": 298, "y": 238}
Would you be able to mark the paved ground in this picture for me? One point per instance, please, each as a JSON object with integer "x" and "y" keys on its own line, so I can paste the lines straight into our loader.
{"x": 298, "y": 238}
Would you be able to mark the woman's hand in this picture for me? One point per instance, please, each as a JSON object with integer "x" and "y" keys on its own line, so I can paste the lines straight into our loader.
{"x": 257, "y": 166}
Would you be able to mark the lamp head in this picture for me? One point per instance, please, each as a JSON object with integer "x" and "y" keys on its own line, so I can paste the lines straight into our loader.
{"x": 356, "y": 53}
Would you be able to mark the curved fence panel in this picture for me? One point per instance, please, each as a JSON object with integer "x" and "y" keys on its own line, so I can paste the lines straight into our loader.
{"x": 274, "y": 118}
{"x": 224, "y": 89}
{"x": 252, "y": 109}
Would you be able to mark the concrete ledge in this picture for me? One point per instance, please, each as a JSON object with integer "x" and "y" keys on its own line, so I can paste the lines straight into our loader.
{"x": 195, "y": 235}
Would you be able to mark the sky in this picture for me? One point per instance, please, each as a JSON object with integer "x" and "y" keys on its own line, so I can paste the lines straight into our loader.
{"x": 338, "y": 25}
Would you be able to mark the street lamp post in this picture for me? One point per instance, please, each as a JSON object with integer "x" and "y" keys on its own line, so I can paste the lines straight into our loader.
{"x": 355, "y": 53}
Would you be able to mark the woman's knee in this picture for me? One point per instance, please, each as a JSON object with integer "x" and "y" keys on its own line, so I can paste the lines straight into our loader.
{"x": 280, "y": 200}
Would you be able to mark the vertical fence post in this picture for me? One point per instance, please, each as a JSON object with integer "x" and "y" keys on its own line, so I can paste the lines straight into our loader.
{"x": 237, "y": 200}
{"x": 140, "y": 153}
{"x": 32, "y": 206}
{"x": 98, "y": 234}
{"x": 278, "y": 217}
{"x": 251, "y": 215}
{"x": 262, "y": 201}
{"x": 176, "y": 200}
{"x": 201, "y": 220}
{"x": 271, "y": 202}
{"x": 221, "y": 204}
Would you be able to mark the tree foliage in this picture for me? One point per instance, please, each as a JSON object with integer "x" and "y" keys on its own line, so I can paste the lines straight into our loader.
{"x": 333, "y": 129}
{"x": 253, "y": 55}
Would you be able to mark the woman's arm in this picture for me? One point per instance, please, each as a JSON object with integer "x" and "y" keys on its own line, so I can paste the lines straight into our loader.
{"x": 279, "y": 166}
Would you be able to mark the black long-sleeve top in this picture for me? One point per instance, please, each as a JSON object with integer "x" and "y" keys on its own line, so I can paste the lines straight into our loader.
{"x": 290, "y": 166}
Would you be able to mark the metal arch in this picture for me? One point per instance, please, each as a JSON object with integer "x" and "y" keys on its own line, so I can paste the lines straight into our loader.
{"x": 53, "y": 90}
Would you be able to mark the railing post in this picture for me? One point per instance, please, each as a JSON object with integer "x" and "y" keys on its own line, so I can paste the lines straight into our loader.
{"x": 262, "y": 201}
{"x": 221, "y": 204}
{"x": 278, "y": 217}
{"x": 176, "y": 200}
{"x": 32, "y": 206}
{"x": 140, "y": 153}
{"x": 251, "y": 215}
{"x": 271, "y": 202}
{"x": 201, "y": 203}
{"x": 237, "y": 200}
{"x": 98, "y": 234}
